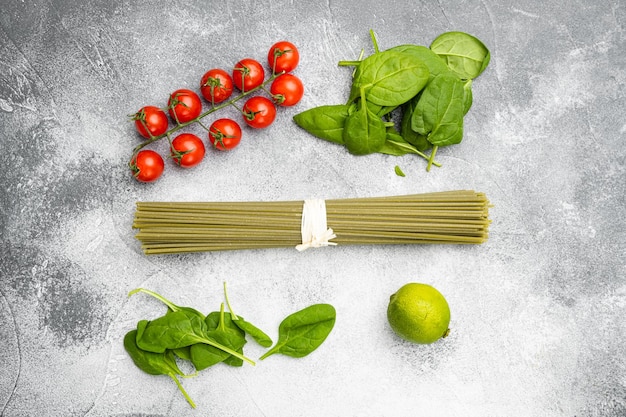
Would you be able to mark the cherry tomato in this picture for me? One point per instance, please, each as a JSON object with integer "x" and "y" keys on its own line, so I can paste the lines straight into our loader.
{"x": 283, "y": 56}
{"x": 152, "y": 118}
{"x": 248, "y": 74}
{"x": 259, "y": 112}
{"x": 216, "y": 85}
{"x": 225, "y": 134}
{"x": 184, "y": 105}
{"x": 287, "y": 90}
{"x": 187, "y": 150}
{"x": 147, "y": 166}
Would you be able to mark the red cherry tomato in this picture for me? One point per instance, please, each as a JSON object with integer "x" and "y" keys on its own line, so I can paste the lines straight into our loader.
{"x": 184, "y": 105}
{"x": 152, "y": 118}
{"x": 147, "y": 166}
{"x": 287, "y": 90}
{"x": 187, "y": 150}
{"x": 225, "y": 134}
{"x": 216, "y": 85}
{"x": 283, "y": 56}
{"x": 259, "y": 112}
{"x": 248, "y": 74}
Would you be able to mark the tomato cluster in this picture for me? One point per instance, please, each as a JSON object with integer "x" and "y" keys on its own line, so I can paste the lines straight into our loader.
{"x": 217, "y": 86}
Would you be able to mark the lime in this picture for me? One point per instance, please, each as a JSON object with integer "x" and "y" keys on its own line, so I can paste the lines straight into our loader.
{"x": 419, "y": 313}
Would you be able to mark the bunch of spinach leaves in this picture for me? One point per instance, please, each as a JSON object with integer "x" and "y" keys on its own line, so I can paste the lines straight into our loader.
{"x": 185, "y": 334}
{"x": 427, "y": 89}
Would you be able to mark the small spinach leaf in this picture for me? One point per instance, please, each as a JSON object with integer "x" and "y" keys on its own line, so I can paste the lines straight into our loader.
{"x": 463, "y": 53}
{"x": 399, "y": 171}
{"x": 440, "y": 109}
{"x": 324, "y": 122}
{"x": 411, "y": 136}
{"x": 248, "y": 328}
{"x": 302, "y": 332}
{"x": 257, "y": 334}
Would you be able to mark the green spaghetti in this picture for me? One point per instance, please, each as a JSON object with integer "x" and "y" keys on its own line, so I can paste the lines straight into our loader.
{"x": 450, "y": 217}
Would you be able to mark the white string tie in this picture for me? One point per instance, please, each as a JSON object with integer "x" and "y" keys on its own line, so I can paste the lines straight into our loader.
{"x": 315, "y": 232}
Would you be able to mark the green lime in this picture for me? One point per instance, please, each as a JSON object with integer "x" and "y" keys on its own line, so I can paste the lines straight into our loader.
{"x": 419, "y": 313}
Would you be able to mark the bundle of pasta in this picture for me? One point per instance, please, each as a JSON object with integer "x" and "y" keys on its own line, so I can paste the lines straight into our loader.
{"x": 450, "y": 217}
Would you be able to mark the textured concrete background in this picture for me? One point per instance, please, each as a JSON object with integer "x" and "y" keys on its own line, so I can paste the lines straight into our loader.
{"x": 537, "y": 312}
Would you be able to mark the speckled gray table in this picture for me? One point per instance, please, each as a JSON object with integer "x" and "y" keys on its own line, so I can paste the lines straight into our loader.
{"x": 537, "y": 312}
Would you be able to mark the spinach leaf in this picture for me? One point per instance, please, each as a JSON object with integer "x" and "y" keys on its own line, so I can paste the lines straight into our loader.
{"x": 248, "y": 328}
{"x": 184, "y": 353}
{"x": 302, "y": 332}
{"x": 152, "y": 363}
{"x": 440, "y": 109}
{"x": 399, "y": 171}
{"x": 324, "y": 122}
{"x": 175, "y": 330}
{"x": 468, "y": 97}
{"x": 389, "y": 78}
{"x": 364, "y": 132}
{"x": 172, "y": 331}
{"x": 463, "y": 53}
{"x": 396, "y": 145}
{"x": 257, "y": 334}
{"x": 411, "y": 136}
{"x": 221, "y": 329}
{"x": 380, "y": 111}
{"x": 432, "y": 61}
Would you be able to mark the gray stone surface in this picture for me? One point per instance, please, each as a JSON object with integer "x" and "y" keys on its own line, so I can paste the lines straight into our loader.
{"x": 537, "y": 312}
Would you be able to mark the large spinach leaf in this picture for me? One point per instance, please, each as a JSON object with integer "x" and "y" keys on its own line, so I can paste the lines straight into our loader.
{"x": 177, "y": 330}
{"x": 432, "y": 61}
{"x": 389, "y": 78}
{"x": 364, "y": 132}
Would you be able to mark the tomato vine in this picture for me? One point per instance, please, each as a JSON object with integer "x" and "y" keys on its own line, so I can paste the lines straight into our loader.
{"x": 185, "y": 107}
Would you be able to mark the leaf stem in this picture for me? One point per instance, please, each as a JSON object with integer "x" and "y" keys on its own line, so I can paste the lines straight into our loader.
{"x": 182, "y": 390}
{"x": 349, "y": 63}
{"x": 232, "y": 313}
{"x": 374, "y": 41}
{"x": 159, "y": 297}
{"x": 432, "y": 157}
{"x": 226, "y": 349}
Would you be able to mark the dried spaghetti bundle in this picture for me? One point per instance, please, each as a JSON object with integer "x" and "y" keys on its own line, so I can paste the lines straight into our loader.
{"x": 452, "y": 217}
